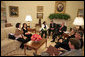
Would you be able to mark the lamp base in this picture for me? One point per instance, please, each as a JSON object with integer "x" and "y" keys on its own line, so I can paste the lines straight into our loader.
{"x": 28, "y": 24}
{"x": 77, "y": 27}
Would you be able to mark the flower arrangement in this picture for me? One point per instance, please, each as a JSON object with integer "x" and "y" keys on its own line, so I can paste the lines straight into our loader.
{"x": 36, "y": 37}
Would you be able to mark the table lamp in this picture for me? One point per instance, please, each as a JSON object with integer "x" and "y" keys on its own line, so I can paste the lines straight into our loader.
{"x": 29, "y": 19}
{"x": 78, "y": 21}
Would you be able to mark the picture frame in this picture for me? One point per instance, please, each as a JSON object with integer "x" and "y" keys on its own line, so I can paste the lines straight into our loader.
{"x": 40, "y": 15}
{"x": 39, "y": 8}
{"x": 80, "y": 13}
{"x": 13, "y": 11}
{"x": 60, "y": 6}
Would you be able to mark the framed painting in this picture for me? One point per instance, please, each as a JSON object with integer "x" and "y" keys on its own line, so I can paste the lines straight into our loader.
{"x": 60, "y": 6}
{"x": 80, "y": 13}
{"x": 39, "y": 8}
{"x": 13, "y": 11}
{"x": 40, "y": 15}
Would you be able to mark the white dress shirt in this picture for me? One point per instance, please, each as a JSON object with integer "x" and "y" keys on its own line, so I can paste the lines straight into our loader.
{"x": 43, "y": 27}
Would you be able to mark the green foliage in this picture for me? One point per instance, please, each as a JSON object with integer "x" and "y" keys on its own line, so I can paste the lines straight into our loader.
{"x": 59, "y": 16}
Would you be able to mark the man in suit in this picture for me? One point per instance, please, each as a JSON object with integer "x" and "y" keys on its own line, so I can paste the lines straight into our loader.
{"x": 60, "y": 28}
{"x": 52, "y": 27}
{"x": 74, "y": 45}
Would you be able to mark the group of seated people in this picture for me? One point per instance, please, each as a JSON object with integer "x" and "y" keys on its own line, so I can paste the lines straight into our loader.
{"x": 74, "y": 45}
{"x": 23, "y": 35}
{"x": 58, "y": 30}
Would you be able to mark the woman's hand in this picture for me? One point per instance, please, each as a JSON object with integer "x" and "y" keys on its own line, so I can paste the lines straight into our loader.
{"x": 28, "y": 33}
{"x": 59, "y": 30}
{"x": 60, "y": 40}
{"x": 25, "y": 37}
{"x": 20, "y": 36}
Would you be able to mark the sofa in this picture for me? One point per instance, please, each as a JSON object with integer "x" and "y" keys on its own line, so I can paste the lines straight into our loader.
{"x": 8, "y": 45}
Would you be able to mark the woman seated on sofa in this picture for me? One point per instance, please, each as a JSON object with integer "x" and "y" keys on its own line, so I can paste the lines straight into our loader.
{"x": 26, "y": 32}
{"x": 19, "y": 35}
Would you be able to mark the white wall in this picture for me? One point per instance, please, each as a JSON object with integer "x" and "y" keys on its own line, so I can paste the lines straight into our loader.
{"x": 30, "y": 8}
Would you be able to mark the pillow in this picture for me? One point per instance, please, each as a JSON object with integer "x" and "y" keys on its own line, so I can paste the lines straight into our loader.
{"x": 11, "y": 36}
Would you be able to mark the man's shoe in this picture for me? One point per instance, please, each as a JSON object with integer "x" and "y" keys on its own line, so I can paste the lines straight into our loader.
{"x": 29, "y": 48}
{"x": 55, "y": 42}
{"x": 36, "y": 54}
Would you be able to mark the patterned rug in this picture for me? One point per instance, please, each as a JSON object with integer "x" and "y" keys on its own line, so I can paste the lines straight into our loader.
{"x": 20, "y": 52}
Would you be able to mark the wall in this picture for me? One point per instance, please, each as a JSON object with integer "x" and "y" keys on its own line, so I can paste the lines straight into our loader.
{"x": 30, "y": 8}
{"x": 3, "y": 14}
{"x": 72, "y": 9}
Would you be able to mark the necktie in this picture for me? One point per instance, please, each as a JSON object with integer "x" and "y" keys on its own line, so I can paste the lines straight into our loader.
{"x": 45, "y": 26}
{"x": 60, "y": 27}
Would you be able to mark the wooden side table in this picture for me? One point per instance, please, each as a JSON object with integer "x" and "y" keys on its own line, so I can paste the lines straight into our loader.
{"x": 34, "y": 45}
{"x": 8, "y": 25}
{"x": 31, "y": 30}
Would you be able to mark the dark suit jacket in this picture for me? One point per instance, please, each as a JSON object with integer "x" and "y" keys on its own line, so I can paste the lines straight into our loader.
{"x": 54, "y": 25}
{"x": 64, "y": 28}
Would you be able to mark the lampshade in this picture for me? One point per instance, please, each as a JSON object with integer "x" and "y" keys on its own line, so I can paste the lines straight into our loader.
{"x": 28, "y": 18}
{"x": 78, "y": 21}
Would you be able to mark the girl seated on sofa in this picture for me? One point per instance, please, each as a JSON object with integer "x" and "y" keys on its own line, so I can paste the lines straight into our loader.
{"x": 19, "y": 35}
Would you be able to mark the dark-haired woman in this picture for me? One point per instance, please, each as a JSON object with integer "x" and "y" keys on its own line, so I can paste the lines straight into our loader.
{"x": 19, "y": 35}
{"x": 26, "y": 32}
{"x": 44, "y": 29}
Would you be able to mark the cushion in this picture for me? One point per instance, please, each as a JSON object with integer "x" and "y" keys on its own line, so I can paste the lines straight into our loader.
{"x": 6, "y": 42}
{"x": 8, "y": 45}
{"x": 6, "y": 31}
{"x": 3, "y": 34}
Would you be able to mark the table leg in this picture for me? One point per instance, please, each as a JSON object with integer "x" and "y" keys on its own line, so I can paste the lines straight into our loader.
{"x": 35, "y": 51}
{"x": 25, "y": 47}
{"x": 46, "y": 43}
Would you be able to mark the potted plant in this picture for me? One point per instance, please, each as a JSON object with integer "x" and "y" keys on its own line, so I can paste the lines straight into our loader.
{"x": 59, "y": 16}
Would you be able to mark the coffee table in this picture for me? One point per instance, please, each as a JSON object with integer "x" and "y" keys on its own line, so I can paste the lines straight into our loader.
{"x": 34, "y": 45}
